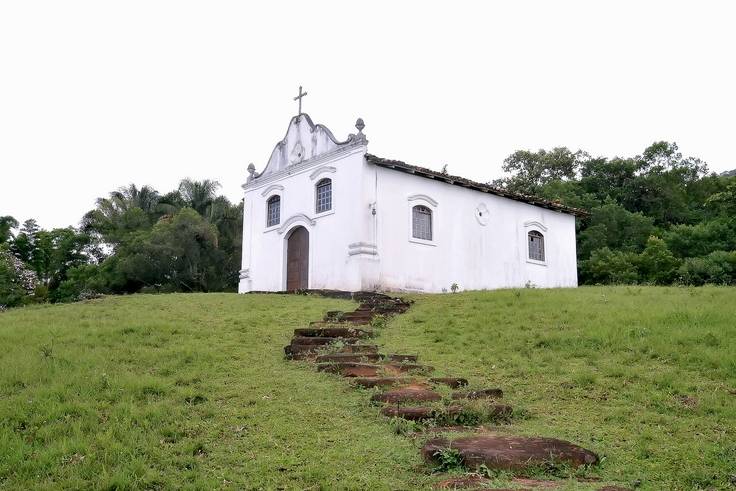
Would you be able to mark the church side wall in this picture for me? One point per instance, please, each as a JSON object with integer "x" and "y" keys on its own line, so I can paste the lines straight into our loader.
{"x": 330, "y": 233}
{"x": 479, "y": 240}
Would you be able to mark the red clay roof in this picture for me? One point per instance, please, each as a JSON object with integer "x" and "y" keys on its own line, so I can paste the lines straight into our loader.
{"x": 478, "y": 186}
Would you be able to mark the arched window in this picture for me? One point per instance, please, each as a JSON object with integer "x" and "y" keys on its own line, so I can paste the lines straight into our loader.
{"x": 324, "y": 195}
{"x": 536, "y": 246}
{"x": 421, "y": 222}
{"x": 273, "y": 211}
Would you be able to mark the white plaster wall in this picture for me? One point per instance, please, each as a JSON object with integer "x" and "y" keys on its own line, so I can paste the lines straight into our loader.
{"x": 462, "y": 250}
{"x": 353, "y": 249}
{"x": 330, "y": 233}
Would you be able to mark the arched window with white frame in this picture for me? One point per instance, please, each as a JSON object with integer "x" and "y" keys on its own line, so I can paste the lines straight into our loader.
{"x": 536, "y": 245}
{"x": 273, "y": 211}
{"x": 421, "y": 222}
{"x": 323, "y": 196}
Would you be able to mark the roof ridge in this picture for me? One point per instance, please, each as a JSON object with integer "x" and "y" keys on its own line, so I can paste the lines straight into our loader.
{"x": 478, "y": 186}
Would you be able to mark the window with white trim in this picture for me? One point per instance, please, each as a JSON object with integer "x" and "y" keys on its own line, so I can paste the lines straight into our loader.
{"x": 421, "y": 222}
{"x": 324, "y": 196}
{"x": 536, "y": 246}
{"x": 273, "y": 211}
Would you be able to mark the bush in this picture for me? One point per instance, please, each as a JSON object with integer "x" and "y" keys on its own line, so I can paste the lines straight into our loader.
{"x": 718, "y": 267}
{"x": 17, "y": 282}
{"x": 606, "y": 266}
{"x": 656, "y": 263}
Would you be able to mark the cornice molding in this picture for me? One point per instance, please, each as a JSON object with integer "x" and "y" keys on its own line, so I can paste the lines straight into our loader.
{"x": 304, "y": 166}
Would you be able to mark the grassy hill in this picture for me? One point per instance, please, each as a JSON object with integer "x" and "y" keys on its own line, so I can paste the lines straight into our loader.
{"x": 165, "y": 391}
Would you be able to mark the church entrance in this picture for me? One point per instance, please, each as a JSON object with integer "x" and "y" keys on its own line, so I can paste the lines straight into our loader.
{"x": 297, "y": 260}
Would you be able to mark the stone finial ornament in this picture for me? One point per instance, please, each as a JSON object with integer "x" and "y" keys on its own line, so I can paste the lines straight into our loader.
{"x": 360, "y": 137}
{"x": 251, "y": 171}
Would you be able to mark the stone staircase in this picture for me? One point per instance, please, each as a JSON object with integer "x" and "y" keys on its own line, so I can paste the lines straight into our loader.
{"x": 342, "y": 344}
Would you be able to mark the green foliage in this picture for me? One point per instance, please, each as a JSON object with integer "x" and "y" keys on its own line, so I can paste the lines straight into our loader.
{"x": 17, "y": 282}
{"x": 656, "y": 263}
{"x": 135, "y": 239}
{"x": 606, "y": 266}
{"x": 718, "y": 267}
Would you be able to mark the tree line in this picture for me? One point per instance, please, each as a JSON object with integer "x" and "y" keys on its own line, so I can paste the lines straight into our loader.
{"x": 134, "y": 240}
{"x": 655, "y": 218}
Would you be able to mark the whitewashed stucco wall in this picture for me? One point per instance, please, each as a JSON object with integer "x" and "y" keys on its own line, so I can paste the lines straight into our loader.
{"x": 330, "y": 233}
{"x": 365, "y": 242}
{"x": 464, "y": 251}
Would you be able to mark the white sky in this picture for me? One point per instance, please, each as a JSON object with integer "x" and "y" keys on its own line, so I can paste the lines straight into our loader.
{"x": 95, "y": 95}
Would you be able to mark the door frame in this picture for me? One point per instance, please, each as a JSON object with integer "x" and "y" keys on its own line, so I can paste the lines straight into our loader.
{"x": 285, "y": 260}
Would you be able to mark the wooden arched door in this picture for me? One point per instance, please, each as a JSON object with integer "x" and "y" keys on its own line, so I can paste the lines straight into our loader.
{"x": 297, "y": 260}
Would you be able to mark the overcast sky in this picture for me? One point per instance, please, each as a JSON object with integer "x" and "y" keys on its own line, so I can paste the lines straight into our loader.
{"x": 95, "y": 95}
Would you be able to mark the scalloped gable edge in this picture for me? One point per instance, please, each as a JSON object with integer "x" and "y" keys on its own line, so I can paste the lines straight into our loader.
{"x": 351, "y": 139}
{"x": 478, "y": 186}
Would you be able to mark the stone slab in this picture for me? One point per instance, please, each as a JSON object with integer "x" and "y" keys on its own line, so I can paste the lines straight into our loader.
{"x": 452, "y": 382}
{"x": 410, "y": 393}
{"x": 510, "y": 452}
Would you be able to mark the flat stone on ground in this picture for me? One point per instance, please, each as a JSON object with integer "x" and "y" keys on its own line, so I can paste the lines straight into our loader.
{"x": 354, "y": 357}
{"x": 410, "y": 393}
{"x": 509, "y": 452}
{"x": 321, "y": 340}
{"x": 333, "y": 332}
{"x": 410, "y": 413}
{"x": 370, "y": 382}
{"x": 350, "y": 369}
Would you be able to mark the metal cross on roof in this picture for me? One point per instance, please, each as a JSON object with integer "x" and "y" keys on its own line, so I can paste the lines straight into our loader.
{"x": 299, "y": 98}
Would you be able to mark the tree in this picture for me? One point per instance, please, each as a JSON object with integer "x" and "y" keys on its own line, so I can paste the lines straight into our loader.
{"x": 656, "y": 263}
{"x": 610, "y": 225}
{"x": 198, "y": 195}
{"x": 532, "y": 170}
{"x": 7, "y": 224}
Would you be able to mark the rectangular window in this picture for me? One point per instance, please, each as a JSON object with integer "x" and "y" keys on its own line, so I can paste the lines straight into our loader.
{"x": 536, "y": 246}
{"x": 324, "y": 196}
{"x": 273, "y": 216}
{"x": 421, "y": 223}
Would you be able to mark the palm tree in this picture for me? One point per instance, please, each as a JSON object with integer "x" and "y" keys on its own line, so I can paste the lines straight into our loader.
{"x": 199, "y": 195}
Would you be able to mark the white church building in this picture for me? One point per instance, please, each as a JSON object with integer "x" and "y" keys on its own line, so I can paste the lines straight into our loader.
{"x": 326, "y": 214}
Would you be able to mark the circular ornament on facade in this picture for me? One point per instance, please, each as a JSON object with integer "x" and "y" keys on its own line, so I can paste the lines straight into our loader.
{"x": 482, "y": 214}
{"x": 297, "y": 153}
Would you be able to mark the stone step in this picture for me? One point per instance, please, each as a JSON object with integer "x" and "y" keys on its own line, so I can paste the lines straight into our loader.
{"x": 479, "y": 394}
{"x": 511, "y": 453}
{"x": 333, "y": 332}
{"x": 369, "y": 382}
{"x": 350, "y": 369}
{"x": 408, "y": 412}
{"x": 410, "y": 393}
{"x": 359, "y": 348}
{"x": 342, "y": 322}
{"x": 348, "y": 357}
{"x": 452, "y": 382}
{"x": 320, "y": 340}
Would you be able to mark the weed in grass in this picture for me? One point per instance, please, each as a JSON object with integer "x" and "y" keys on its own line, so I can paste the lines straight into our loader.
{"x": 448, "y": 459}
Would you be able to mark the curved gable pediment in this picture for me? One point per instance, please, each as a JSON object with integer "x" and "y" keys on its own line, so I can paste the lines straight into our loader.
{"x": 304, "y": 141}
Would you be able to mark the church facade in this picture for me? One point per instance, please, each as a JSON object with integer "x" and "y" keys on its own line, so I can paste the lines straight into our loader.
{"x": 327, "y": 214}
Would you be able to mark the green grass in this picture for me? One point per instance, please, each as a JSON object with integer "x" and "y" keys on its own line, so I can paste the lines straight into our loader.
{"x": 192, "y": 391}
